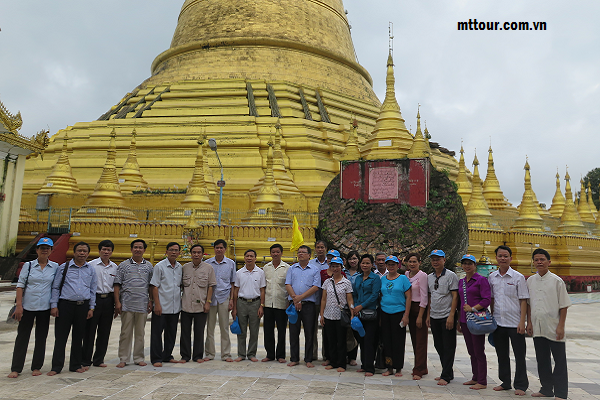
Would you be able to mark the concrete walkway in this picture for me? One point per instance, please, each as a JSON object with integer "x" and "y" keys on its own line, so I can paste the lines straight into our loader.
{"x": 220, "y": 380}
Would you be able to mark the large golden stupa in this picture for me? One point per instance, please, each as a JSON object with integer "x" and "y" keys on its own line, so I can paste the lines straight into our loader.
{"x": 278, "y": 86}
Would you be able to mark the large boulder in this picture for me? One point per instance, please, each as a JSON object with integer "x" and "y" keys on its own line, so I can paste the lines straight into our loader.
{"x": 397, "y": 228}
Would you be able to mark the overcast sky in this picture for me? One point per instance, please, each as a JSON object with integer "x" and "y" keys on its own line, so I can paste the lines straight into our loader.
{"x": 534, "y": 93}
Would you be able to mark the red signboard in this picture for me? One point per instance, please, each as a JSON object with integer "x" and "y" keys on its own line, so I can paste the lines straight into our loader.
{"x": 404, "y": 181}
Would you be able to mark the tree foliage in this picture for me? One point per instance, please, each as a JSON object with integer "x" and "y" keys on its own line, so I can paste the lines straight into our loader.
{"x": 594, "y": 178}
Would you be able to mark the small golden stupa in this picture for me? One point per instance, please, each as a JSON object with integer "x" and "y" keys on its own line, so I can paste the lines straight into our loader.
{"x": 478, "y": 213}
{"x": 491, "y": 187}
{"x": 570, "y": 221}
{"x": 130, "y": 177}
{"x": 529, "y": 218}
{"x": 464, "y": 185}
{"x": 60, "y": 180}
{"x": 583, "y": 207}
{"x": 558, "y": 201}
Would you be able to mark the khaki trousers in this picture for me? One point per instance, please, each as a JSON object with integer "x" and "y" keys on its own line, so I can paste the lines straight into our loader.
{"x": 222, "y": 311}
{"x": 132, "y": 327}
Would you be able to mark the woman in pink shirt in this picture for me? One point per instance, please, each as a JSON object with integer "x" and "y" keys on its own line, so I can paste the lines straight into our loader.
{"x": 416, "y": 316}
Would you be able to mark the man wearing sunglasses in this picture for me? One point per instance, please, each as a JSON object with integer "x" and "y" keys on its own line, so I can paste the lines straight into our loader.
{"x": 443, "y": 299}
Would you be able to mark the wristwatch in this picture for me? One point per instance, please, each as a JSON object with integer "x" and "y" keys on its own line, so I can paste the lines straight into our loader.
{"x": 262, "y": 305}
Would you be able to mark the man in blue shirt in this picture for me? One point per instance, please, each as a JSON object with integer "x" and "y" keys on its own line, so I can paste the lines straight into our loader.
{"x": 72, "y": 303}
{"x": 302, "y": 283}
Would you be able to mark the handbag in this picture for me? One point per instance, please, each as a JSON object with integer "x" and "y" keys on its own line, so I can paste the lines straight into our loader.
{"x": 11, "y": 314}
{"x": 367, "y": 315}
{"x": 345, "y": 320}
{"x": 479, "y": 322}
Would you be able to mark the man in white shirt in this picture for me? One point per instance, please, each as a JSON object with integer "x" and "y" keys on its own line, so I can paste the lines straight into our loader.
{"x": 98, "y": 327}
{"x": 380, "y": 269}
{"x": 546, "y": 317}
{"x": 509, "y": 307}
{"x": 166, "y": 296}
{"x": 275, "y": 305}
{"x": 249, "y": 296}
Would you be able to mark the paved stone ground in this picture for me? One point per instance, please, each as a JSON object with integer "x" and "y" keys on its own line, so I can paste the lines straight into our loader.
{"x": 219, "y": 380}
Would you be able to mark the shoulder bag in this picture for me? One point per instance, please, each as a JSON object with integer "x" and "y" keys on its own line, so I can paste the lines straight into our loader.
{"x": 344, "y": 311}
{"x": 11, "y": 314}
{"x": 479, "y": 322}
{"x": 366, "y": 314}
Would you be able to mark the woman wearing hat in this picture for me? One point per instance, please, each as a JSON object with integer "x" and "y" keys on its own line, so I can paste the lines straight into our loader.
{"x": 478, "y": 296}
{"x": 337, "y": 293}
{"x": 395, "y": 296}
{"x": 326, "y": 274}
{"x": 33, "y": 304}
{"x": 417, "y": 326}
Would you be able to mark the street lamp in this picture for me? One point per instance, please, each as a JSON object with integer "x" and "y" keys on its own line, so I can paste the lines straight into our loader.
{"x": 212, "y": 143}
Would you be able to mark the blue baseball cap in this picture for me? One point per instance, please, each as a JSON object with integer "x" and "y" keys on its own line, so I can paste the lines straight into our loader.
{"x": 333, "y": 253}
{"x": 47, "y": 241}
{"x": 392, "y": 258}
{"x": 469, "y": 257}
{"x": 439, "y": 253}
{"x": 336, "y": 260}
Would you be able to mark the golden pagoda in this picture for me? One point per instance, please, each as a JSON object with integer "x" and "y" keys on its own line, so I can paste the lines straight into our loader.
{"x": 583, "y": 207}
{"x": 420, "y": 147}
{"x": 597, "y": 226}
{"x": 60, "y": 180}
{"x": 590, "y": 201}
{"x": 478, "y": 213}
{"x": 464, "y": 186}
{"x": 130, "y": 177}
{"x": 558, "y": 201}
{"x": 491, "y": 187}
{"x": 570, "y": 221}
{"x": 106, "y": 203}
{"x": 208, "y": 175}
{"x": 390, "y": 139}
{"x": 529, "y": 218}
{"x": 352, "y": 150}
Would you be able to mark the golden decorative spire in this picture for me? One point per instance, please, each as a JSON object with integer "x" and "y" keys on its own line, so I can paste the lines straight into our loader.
{"x": 590, "y": 201}
{"x": 106, "y": 203}
{"x": 11, "y": 122}
{"x": 570, "y": 221}
{"x": 491, "y": 187}
{"x": 131, "y": 177}
{"x": 529, "y": 218}
{"x": 208, "y": 175}
{"x": 420, "y": 147}
{"x": 597, "y": 227}
{"x": 352, "y": 151}
{"x": 478, "y": 213}
{"x": 558, "y": 201}
{"x": 462, "y": 180}
{"x": 390, "y": 138}
{"x": 61, "y": 179}
{"x": 268, "y": 206}
{"x": 583, "y": 207}
{"x": 197, "y": 195}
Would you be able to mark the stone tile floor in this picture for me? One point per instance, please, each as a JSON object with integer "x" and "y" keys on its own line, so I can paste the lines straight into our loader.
{"x": 246, "y": 380}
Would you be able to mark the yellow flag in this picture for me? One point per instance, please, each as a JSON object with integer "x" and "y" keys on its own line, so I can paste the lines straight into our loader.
{"x": 297, "y": 239}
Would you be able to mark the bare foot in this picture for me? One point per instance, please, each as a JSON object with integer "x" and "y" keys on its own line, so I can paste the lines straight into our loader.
{"x": 368, "y": 374}
{"x": 442, "y": 382}
{"x": 182, "y": 361}
{"x": 13, "y": 374}
{"x": 292, "y": 363}
{"x": 86, "y": 368}
{"x": 157, "y": 364}
{"x": 174, "y": 361}
{"x": 471, "y": 382}
{"x": 360, "y": 370}
{"x": 538, "y": 394}
{"x": 266, "y": 359}
{"x": 328, "y": 367}
{"x": 478, "y": 386}
{"x": 35, "y": 372}
{"x": 141, "y": 364}
{"x": 310, "y": 365}
{"x": 398, "y": 373}
{"x": 353, "y": 363}
{"x": 499, "y": 388}
{"x": 253, "y": 359}
{"x": 325, "y": 363}
{"x": 103, "y": 365}
{"x": 281, "y": 360}
{"x": 238, "y": 359}
{"x": 229, "y": 359}
{"x": 52, "y": 373}
{"x": 200, "y": 360}
{"x": 520, "y": 392}
{"x": 416, "y": 378}
{"x": 340, "y": 369}
{"x": 80, "y": 370}
{"x": 121, "y": 365}
{"x": 437, "y": 378}
{"x": 207, "y": 358}
{"x": 387, "y": 373}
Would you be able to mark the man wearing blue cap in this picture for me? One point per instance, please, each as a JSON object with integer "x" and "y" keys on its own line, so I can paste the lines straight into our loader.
{"x": 443, "y": 300}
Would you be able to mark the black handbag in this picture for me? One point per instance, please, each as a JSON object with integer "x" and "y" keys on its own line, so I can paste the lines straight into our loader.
{"x": 368, "y": 315}
{"x": 11, "y": 314}
{"x": 344, "y": 311}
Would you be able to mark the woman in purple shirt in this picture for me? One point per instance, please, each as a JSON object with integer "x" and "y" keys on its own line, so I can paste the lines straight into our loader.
{"x": 478, "y": 298}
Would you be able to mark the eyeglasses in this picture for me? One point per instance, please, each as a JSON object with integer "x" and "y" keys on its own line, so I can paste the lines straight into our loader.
{"x": 436, "y": 285}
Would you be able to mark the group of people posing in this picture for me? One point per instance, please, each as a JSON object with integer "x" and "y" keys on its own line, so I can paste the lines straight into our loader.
{"x": 84, "y": 297}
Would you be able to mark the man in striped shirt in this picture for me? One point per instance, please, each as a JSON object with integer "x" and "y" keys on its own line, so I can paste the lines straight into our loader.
{"x": 133, "y": 303}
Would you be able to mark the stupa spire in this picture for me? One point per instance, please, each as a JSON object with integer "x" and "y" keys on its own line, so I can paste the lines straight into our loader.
{"x": 208, "y": 175}
{"x": 106, "y": 202}
{"x": 462, "y": 180}
{"x": 478, "y": 213}
{"x": 131, "y": 177}
{"x": 390, "y": 138}
{"x": 590, "y": 201}
{"x": 583, "y": 207}
{"x": 420, "y": 147}
{"x": 352, "y": 152}
{"x": 558, "y": 201}
{"x": 61, "y": 178}
{"x": 529, "y": 218}
{"x": 570, "y": 221}
{"x": 197, "y": 195}
{"x": 491, "y": 188}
